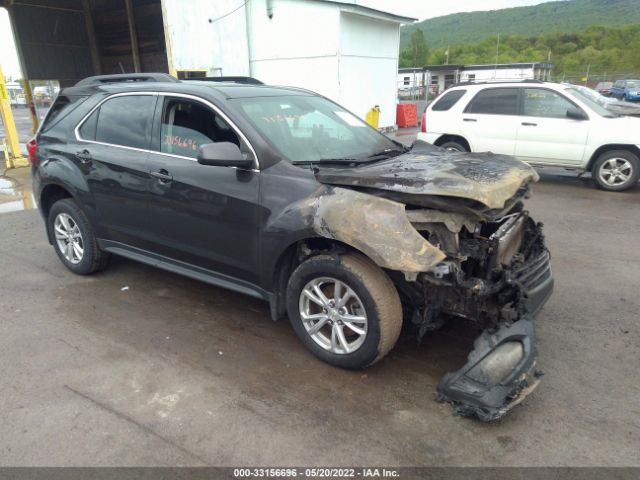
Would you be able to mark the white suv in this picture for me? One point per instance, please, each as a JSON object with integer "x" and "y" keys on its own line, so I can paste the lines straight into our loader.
{"x": 541, "y": 123}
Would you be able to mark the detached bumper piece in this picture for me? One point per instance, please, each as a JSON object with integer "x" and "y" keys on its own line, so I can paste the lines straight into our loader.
{"x": 498, "y": 375}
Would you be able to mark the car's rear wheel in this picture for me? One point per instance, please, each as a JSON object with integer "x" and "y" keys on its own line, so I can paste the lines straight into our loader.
{"x": 73, "y": 238}
{"x": 454, "y": 146}
{"x": 345, "y": 309}
{"x": 616, "y": 170}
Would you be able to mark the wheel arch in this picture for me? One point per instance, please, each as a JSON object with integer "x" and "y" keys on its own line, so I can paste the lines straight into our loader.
{"x": 293, "y": 255}
{"x": 610, "y": 147}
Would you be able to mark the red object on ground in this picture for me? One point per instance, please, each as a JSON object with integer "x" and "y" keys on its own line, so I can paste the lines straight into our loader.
{"x": 407, "y": 115}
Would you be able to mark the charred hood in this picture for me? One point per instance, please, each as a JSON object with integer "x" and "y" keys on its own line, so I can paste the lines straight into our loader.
{"x": 481, "y": 178}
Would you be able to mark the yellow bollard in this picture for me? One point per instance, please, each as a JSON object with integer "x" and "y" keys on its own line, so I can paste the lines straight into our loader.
{"x": 10, "y": 127}
{"x": 373, "y": 116}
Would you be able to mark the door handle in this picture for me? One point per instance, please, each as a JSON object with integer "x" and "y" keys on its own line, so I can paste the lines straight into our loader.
{"x": 469, "y": 120}
{"x": 84, "y": 156}
{"x": 529, "y": 124}
{"x": 162, "y": 176}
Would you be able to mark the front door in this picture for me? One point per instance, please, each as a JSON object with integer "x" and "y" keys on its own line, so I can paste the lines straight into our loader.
{"x": 545, "y": 134}
{"x": 202, "y": 215}
{"x": 112, "y": 154}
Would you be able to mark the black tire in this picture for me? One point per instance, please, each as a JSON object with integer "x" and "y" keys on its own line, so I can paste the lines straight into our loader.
{"x": 601, "y": 164}
{"x": 93, "y": 259}
{"x": 454, "y": 146}
{"x": 373, "y": 288}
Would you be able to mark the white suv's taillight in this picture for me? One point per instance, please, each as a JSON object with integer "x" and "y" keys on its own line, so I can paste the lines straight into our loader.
{"x": 423, "y": 129}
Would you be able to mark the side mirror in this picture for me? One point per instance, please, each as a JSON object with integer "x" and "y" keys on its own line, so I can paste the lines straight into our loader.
{"x": 222, "y": 154}
{"x": 576, "y": 114}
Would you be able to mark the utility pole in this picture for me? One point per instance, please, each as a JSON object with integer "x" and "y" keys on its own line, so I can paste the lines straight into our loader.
{"x": 586, "y": 79}
{"x": 495, "y": 71}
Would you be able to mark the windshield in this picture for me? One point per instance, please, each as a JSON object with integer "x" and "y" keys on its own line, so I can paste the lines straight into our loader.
{"x": 313, "y": 129}
{"x": 633, "y": 84}
{"x": 591, "y": 101}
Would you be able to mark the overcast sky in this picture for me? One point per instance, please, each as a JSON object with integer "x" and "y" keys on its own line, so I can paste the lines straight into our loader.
{"x": 420, "y": 9}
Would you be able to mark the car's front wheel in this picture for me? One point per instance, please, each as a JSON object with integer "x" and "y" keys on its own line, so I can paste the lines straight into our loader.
{"x": 616, "y": 170}
{"x": 74, "y": 239}
{"x": 345, "y": 309}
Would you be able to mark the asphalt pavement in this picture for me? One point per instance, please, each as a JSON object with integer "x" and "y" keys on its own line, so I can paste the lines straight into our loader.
{"x": 137, "y": 366}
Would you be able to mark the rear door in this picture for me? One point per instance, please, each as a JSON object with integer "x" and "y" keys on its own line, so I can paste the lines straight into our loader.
{"x": 545, "y": 134}
{"x": 113, "y": 142}
{"x": 198, "y": 214}
{"x": 490, "y": 120}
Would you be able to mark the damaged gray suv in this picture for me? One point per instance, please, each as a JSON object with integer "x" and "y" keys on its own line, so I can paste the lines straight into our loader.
{"x": 283, "y": 195}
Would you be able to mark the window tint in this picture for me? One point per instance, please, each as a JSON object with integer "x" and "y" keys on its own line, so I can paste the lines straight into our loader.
{"x": 539, "y": 102}
{"x": 125, "y": 121}
{"x": 495, "y": 101}
{"x": 186, "y": 125}
{"x": 448, "y": 100}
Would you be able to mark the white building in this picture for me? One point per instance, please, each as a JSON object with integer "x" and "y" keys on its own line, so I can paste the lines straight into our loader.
{"x": 441, "y": 77}
{"x": 341, "y": 49}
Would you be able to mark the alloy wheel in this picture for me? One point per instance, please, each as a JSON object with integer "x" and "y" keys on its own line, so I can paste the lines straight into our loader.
{"x": 68, "y": 238}
{"x": 333, "y": 315}
{"x": 615, "y": 171}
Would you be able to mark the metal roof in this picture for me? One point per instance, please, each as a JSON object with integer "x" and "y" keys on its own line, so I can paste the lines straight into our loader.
{"x": 355, "y": 6}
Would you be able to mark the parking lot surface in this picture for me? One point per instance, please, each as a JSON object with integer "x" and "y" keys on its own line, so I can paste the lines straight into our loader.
{"x": 137, "y": 366}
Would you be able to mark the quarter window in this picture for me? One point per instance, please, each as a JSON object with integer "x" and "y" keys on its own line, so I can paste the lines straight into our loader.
{"x": 539, "y": 102}
{"x": 495, "y": 101}
{"x": 448, "y": 100}
{"x": 124, "y": 121}
{"x": 186, "y": 125}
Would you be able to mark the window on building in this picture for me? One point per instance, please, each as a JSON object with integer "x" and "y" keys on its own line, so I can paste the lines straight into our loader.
{"x": 449, "y": 80}
{"x": 434, "y": 79}
{"x": 407, "y": 80}
{"x": 124, "y": 121}
{"x": 471, "y": 77}
{"x": 448, "y": 100}
{"x": 495, "y": 101}
{"x": 186, "y": 125}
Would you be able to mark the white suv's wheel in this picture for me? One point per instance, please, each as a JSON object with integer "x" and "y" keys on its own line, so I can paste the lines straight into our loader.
{"x": 616, "y": 170}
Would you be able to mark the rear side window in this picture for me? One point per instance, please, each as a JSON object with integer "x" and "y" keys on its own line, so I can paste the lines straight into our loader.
{"x": 63, "y": 105}
{"x": 124, "y": 121}
{"x": 495, "y": 101}
{"x": 448, "y": 100}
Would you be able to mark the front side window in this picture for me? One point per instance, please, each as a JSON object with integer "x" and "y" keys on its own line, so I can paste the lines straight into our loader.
{"x": 123, "y": 121}
{"x": 448, "y": 100}
{"x": 186, "y": 125}
{"x": 308, "y": 128}
{"x": 495, "y": 101}
{"x": 538, "y": 102}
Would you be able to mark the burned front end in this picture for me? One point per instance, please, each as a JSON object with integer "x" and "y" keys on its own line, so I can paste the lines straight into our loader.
{"x": 497, "y": 273}
{"x": 452, "y": 232}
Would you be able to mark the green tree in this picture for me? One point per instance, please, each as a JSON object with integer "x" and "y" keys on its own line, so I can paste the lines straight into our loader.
{"x": 417, "y": 52}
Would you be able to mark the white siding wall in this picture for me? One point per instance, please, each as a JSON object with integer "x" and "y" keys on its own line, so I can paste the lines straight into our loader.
{"x": 368, "y": 65}
{"x": 197, "y": 44}
{"x": 298, "y": 46}
{"x": 350, "y": 58}
{"x": 499, "y": 74}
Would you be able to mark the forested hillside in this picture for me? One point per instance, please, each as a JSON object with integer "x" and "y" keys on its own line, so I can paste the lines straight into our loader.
{"x": 565, "y": 16}
{"x": 604, "y": 50}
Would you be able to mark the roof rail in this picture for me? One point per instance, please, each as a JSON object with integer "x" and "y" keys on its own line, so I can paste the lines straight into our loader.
{"x": 126, "y": 77}
{"x": 232, "y": 79}
{"x": 527, "y": 80}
